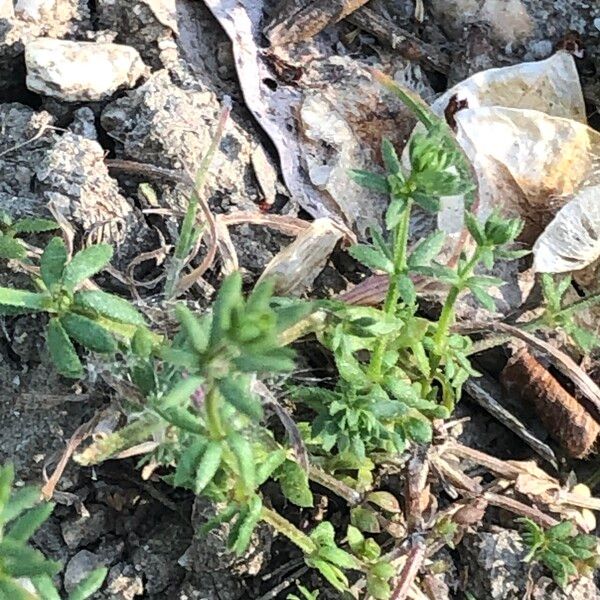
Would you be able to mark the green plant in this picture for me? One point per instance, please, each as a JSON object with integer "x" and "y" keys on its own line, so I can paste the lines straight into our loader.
{"x": 558, "y": 315}
{"x": 88, "y": 317}
{"x": 397, "y": 370}
{"x": 561, "y": 549}
{"x": 25, "y": 573}
{"x": 11, "y": 246}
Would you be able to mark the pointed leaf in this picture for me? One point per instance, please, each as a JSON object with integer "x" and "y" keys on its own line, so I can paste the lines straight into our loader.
{"x": 110, "y": 306}
{"x": 294, "y": 484}
{"x": 196, "y": 333}
{"x": 34, "y": 225}
{"x": 236, "y": 391}
{"x": 27, "y": 524}
{"x": 88, "y": 333}
{"x": 11, "y": 248}
{"x": 390, "y": 157}
{"x": 372, "y": 258}
{"x": 62, "y": 351}
{"x": 22, "y": 299}
{"x": 208, "y": 466}
{"x": 53, "y": 262}
{"x": 371, "y": 181}
{"x": 85, "y": 264}
{"x": 427, "y": 250}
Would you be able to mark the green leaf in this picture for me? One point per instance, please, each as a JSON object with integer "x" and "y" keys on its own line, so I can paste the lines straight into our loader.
{"x": 338, "y": 557}
{"x": 294, "y": 484}
{"x": 589, "y": 542}
{"x": 407, "y": 290}
{"x": 484, "y": 281}
{"x": 142, "y": 342}
{"x": 187, "y": 464}
{"x": 380, "y": 243}
{"x": 371, "y": 181}
{"x": 181, "y": 393}
{"x": 110, "y": 306}
{"x": 427, "y": 250}
{"x": 383, "y": 570}
{"x": 27, "y": 524}
{"x": 441, "y": 272}
{"x": 22, "y": 299}
{"x": 372, "y": 258}
{"x": 277, "y": 361}
{"x": 85, "y": 264}
{"x": 196, "y": 333}
{"x": 484, "y": 298}
{"x": 11, "y": 248}
{"x": 44, "y": 586}
{"x": 89, "y": 585}
{"x": 562, "y": 531}
{"x": 236, "y": 391}
{"x": 242, "y": 450}
{"x": 364, "y": 519}
{"x": 228, "y": 298}
{"x": 378, "y": 588}
{"x": 247, "y": 526}
{"x": 355, "y": 539}
{"x": 475, "y": 228}
{"x": 53, "y": 261}
{"x": 34, "y": 225}
{"x": 395, "y": 212}
{"x": 272, "y": 462}
{"x": 88, "y": 333}
{"x": 19, "y": 502}
{"x": 22, "y": 561}
{"x": 418, "y": 430}
{"x": 62, "y": 351}
{"x": 426, "y": 202}
{"x": 390, "y": 158}
{"x": 331, "y": 573}
{"x": 208, "y": 466}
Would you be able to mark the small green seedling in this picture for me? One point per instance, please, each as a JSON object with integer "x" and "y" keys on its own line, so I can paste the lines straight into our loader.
{"x": 561, "y": 549}
{"x": 25, "y": 573}
{"x": 558, "y": 315}
{"x": 88, "y": 317}
{"x": 11, "y": 246}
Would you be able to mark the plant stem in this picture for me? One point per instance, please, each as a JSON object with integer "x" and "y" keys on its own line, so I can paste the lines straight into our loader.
{"x": 213, "y": 414}
{"x": 292, "y": 533}
{"x": 447, "y": 315}
{"x": 393, "y": 292}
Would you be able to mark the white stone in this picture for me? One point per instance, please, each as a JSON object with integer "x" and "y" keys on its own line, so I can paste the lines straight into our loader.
{"x": 80, "y": 71}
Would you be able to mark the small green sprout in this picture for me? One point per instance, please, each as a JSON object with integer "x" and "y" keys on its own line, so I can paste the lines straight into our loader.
{"x": 306, "y": 594}
{"x": 561, "y": 549}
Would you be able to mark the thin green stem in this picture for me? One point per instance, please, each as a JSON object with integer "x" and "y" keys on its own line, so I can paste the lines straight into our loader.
{"x": 286, "y": 528}
{"x": 393, "y": 292}
{"x": 447, "y": 315}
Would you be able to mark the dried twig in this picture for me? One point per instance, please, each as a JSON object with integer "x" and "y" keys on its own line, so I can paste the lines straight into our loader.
{"x": 80, "y": 434}
{"x": 414, "y": 560}
{"x": 484, "y": 398}
{"x": 406, "y": 43}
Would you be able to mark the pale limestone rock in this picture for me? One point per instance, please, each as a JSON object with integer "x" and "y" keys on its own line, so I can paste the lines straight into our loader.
{"x": 80, "y": 71}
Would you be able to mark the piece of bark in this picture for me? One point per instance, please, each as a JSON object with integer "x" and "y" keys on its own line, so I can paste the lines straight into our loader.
{"x": 299, "y": 20}
{"x": 564, "y": 417}
{"x": 406, "y": 43}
